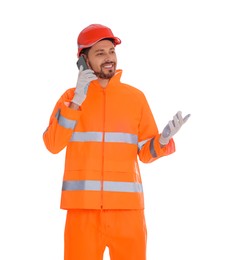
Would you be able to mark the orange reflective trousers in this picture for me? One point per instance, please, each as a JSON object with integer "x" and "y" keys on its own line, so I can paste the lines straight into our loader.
{"x": 88, "y": 232}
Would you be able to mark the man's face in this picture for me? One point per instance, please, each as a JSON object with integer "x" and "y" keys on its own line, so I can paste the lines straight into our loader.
{"x": 102, "y": 59}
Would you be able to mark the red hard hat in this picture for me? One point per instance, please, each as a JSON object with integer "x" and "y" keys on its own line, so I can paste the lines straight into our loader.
{"x": 94, "y": 33}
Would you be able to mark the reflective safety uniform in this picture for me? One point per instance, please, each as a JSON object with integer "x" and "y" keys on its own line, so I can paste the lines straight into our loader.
{"x": 102, "y": 188}
{"x": 103, "y": 141}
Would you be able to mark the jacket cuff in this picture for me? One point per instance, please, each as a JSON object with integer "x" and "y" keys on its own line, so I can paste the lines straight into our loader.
{"x": 70, "y": 113}
{"x": 164, "y": 150}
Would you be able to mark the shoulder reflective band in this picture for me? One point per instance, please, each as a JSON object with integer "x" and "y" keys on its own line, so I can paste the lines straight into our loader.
{"x": 108, "y": 137}
{"x": 66, "y": 123}
{"x": 107, "y": 186}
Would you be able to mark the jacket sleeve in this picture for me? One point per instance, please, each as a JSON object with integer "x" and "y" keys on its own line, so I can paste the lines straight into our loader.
{"x": 61, "y": 125}
{"x": 149, "y": 146}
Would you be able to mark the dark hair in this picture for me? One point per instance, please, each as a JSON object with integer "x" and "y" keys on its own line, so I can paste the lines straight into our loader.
{"x": 86, "y": 50}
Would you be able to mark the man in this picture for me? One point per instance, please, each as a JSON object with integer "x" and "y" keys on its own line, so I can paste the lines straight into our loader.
{"x": 105, "y": 125}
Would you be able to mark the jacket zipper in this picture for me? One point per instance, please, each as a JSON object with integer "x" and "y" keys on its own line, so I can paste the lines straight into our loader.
{"x": 102, "y": 173}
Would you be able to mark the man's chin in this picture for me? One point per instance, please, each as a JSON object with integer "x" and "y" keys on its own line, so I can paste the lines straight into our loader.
{"x": 104, "y": 75}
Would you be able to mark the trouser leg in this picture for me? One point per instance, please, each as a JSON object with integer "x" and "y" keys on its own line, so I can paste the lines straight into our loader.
{"x": 82, "y": 236}
{"x": 126, "y": 235}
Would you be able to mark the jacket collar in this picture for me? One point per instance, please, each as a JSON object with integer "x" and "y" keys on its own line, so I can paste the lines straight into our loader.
{"x": 113, "y": 81}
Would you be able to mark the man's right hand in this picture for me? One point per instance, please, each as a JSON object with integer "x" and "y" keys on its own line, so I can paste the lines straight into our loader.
{"x": 83, "y": 81}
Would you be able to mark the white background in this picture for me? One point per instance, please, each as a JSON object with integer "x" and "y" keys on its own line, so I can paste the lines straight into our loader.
{"x": 178, "y": 53}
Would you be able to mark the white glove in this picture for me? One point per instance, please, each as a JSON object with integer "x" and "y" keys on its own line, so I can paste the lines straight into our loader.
{"x": 172, "y": 127}
{"x": 83, "y": 81}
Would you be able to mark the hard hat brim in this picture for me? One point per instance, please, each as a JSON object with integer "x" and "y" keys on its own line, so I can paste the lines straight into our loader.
{"x": 116, "y": 41}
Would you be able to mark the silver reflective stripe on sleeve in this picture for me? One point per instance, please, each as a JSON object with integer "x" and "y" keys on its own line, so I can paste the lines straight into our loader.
{"x": 66, "y": 123}
{"x": 107, "y": 186}
{"x": 142, "y": 143}
{"x": 152, "y": 150}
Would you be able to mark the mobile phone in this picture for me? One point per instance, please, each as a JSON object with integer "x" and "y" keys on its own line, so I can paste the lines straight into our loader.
{"x": 82, "y": 61}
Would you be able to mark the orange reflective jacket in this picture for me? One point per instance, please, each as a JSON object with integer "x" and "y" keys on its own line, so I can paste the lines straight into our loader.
{"x": 103, "y": 140}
